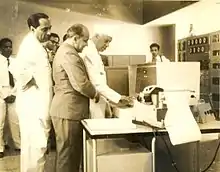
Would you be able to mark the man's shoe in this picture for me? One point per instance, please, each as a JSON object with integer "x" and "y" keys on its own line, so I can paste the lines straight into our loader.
{"x": 17, "y": 150}
{"x": 1, "y": 154}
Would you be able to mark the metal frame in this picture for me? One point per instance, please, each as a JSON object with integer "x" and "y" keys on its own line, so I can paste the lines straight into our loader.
{"x": 212, "y": 127}
{"x": 94, "y": 153}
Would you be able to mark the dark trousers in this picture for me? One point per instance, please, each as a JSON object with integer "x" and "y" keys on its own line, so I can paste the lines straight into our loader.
{"x": 68, "y": 144}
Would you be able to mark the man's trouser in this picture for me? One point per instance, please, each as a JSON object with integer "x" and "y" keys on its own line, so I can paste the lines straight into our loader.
{"x": 9, "y": 126}
{"x": 68, "y": 144}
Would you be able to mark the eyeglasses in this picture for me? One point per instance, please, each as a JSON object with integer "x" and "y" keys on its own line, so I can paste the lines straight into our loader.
{"x": 54, "y": 42}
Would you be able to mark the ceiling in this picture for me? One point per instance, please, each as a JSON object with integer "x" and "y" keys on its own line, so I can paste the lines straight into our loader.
{"x": 133, "y": 11}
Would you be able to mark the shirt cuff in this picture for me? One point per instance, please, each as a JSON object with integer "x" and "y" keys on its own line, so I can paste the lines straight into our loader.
{"x": 117, "y": 98}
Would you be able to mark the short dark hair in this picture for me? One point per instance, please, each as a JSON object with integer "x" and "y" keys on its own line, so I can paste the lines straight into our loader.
{"x": 155, "y": 45}
{"x": 4, "y": 40}
{"x": 64, "y": 37}
{"x": 76, "y": 29}
{"x": 55, "y": 35}
{"x": 33, "y": 20}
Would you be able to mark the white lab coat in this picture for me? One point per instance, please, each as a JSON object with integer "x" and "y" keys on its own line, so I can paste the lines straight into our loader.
{"x": 33, "y": 104}
{"x": 97, "y": 75}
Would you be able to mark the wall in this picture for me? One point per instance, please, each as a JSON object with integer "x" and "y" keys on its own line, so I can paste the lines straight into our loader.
{"x": 168, "y": 41}
{"x": 16, "y": 13}
{"x": 203, "y": 15}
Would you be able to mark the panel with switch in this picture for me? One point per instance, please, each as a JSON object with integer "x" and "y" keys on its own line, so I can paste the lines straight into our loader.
{"x": 216, "y": 65}
{"x": 145, "y": 76}
{"x": 205, "y": 49}
{"x": 215, "y": 38}
{"x": 216, "y": 81}
{"x": 182, "y": 47}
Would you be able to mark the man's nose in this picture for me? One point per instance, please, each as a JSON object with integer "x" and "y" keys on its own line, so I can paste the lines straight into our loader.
{"x": 107, "y": 45}
{"x": 48, "y": 32}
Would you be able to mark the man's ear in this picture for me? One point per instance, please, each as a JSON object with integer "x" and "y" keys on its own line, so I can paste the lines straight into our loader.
{"x": 75, "y": 37}
{"x": 32, "y": 28}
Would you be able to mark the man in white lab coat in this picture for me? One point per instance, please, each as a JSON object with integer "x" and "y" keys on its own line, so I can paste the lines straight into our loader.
{"x": 93, "y": 61}
{"x": 9, "y": 127}
{"x": 34, "y": 93}
{"x": 156, "y": 57}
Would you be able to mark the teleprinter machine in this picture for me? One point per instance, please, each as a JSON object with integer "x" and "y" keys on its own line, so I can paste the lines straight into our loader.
{"x": 153, "y": 81}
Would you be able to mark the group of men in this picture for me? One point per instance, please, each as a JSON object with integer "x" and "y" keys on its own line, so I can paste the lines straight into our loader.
{"x": 56, "y": 87}
{"x": 74, "y": 88}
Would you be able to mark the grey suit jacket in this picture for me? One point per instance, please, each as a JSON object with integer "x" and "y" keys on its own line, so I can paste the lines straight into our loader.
{"x": 72, "y": 86}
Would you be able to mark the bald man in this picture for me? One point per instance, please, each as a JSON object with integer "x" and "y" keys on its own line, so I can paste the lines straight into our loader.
{"x": 97, "y": 75}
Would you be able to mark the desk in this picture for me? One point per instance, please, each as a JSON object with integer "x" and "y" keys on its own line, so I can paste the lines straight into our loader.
{"x": 211, "y": 127}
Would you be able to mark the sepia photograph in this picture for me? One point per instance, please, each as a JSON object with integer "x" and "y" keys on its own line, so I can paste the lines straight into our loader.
{"x": 109, "y": 86}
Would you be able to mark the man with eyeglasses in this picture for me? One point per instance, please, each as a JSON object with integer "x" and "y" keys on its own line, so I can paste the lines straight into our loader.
{"x": 51, "y": 46}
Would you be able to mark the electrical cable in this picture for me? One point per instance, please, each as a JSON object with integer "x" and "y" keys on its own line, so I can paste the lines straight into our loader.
{"x": 213, "y": 159}
{"x": 173, "y": 163}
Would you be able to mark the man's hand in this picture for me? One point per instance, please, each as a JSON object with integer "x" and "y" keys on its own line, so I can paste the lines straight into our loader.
{"x": 97, "y": 97}
{"x": 29, "y": 84}
{"x": 10, "y": 99}
{"x": 125, "y": 102}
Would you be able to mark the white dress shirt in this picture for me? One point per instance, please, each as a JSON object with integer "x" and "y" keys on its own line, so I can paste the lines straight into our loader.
{"x": 159, "y": 58}
{"x": 5, "y": 88}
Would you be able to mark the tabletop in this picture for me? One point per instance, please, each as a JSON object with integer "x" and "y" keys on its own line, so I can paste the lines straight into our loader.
{"x": 108, "y": 127}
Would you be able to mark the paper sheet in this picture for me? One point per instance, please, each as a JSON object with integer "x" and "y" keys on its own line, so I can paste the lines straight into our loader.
{"x": 110, "y": 124}
{"x": 179, "y": 120}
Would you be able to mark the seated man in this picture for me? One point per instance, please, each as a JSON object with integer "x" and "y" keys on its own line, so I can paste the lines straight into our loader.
{"x": 156, "y": 57}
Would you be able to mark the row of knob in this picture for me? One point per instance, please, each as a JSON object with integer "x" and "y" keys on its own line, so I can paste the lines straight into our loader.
{"x": 197, "y": 41}
{"x": 200, "y": 49}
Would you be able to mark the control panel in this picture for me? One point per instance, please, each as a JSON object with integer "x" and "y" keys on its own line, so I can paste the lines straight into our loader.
{"x": 215, "y": 69}
{"x": 198, "y": 50}
{"x": 146, "y": 75}
{"x": 205, "y": 49}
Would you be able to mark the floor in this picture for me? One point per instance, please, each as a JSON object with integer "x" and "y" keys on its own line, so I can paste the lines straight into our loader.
{"x": 10, "y": 163}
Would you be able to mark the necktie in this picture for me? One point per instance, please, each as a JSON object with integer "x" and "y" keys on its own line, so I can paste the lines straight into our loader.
{"x": 154, "y": 60}
{"x": 11, "y": 79}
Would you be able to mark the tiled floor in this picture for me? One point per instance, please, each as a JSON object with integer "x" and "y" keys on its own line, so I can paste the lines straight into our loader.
{"x": 10, "y": 163}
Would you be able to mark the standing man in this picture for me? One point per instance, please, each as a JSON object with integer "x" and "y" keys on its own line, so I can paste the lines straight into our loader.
{"x": 71, "y": 101}
{"x": 156, "y": 57}
{"x": 97, "y": 75}
{"x": 34, "y": 93}
{"x": 8, "y": 114}
{"x": 52, "y": 45}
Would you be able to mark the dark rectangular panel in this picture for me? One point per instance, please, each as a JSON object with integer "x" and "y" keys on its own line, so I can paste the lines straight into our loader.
{"x": 117, "y": 79}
